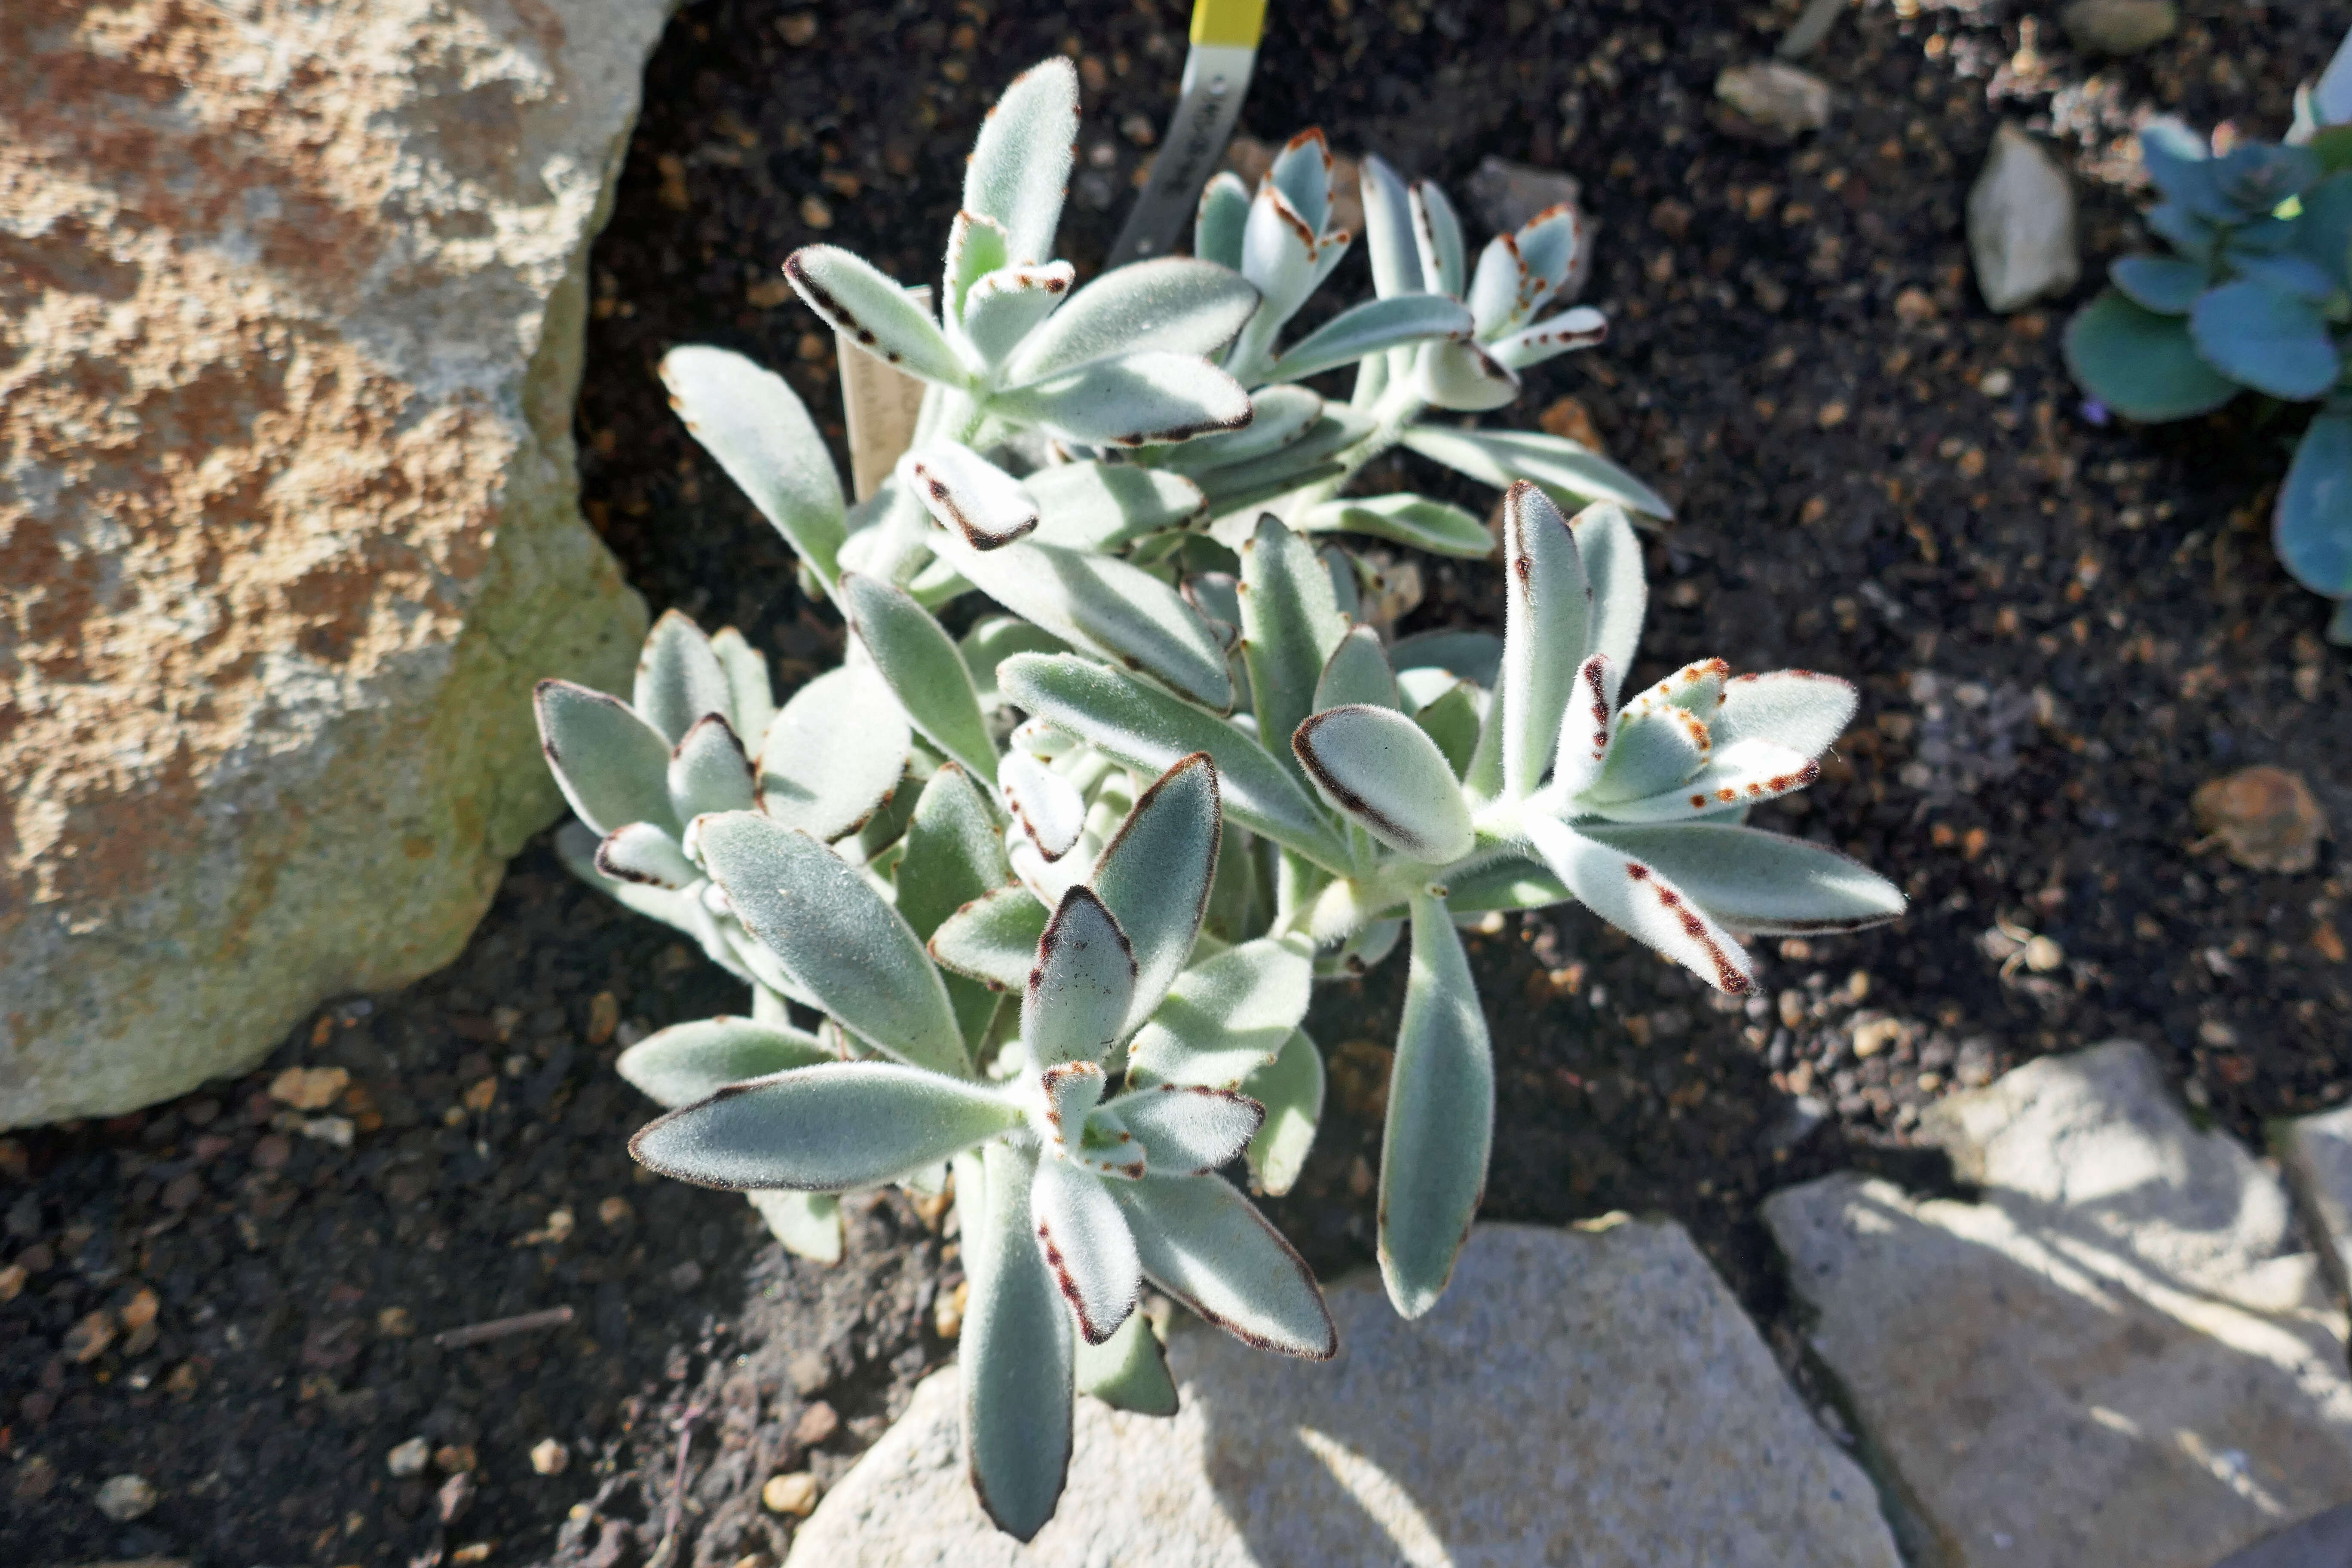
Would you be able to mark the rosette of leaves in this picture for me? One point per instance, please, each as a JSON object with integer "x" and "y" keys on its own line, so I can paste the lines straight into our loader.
{"x": 2255, "y": 295}
{"x": 1085, "y": 1133}
{"x": 1453, "y": 775}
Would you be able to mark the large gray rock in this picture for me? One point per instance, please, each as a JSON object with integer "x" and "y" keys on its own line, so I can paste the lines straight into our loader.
{"x": 1591, "y": 1397}
{"x": 291, "y": 300}
{"x": 2021, "y": 223}
{"x": 2123, "y": 1356}
{"x": 2317, "y": 1153}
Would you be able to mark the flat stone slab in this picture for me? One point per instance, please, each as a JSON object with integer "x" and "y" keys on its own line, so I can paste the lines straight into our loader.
{"x": 2317, "y": 1153}
{"x": 1591, "y": 1397}
{"x": 2123, "y": 1355}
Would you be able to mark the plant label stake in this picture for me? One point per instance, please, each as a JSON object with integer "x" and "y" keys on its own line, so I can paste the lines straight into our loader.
{"x": 880, "y": 403}
{"x": 1216, "y": 76}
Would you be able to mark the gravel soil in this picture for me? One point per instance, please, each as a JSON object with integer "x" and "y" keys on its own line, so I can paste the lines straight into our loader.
{"x": 2061, "y": 628}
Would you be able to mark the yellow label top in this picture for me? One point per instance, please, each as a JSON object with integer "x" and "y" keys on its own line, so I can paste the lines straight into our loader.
{"x": 1228, "y": 22}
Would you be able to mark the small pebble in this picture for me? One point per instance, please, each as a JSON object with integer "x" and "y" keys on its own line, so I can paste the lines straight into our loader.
{"x": 2265, "y": 817}
{"x": 87, "y": 1339}
{"x": 816, "y": 212}
{"x": 549, "y": 1456}
{"x": 453, "y": 1458}
{"x": 615, "y": 1212}
{"x": 604, "y": 1010}
{"x": 2042, "y": 955}
{"x": 12, "y": 1281}
{"x": 126, "y": 1497}
{"x": 308, "y": 1088}
{"x": 1776, "y": 99}
{"x": 947, "y": 1313}
{"x": 817, "y": 1423}
{"x": 793, "y": 1494}
{"x": 472, "y": 1552}
{"x": 409, "y": 1458}
{"x": 141, "y": 1310}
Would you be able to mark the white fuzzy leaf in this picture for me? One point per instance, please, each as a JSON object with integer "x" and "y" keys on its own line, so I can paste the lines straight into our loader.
{"x": 1358, "y": 672}
{"x": 1004, "y": 308}
{"x": 1582, "y": 328}
{"x": 1302, "y": 173}
{"x": 709, "y": 771}
{"x": 1227, "y": 1016}
{"x": 1136, "y": 400}
{"x": 1438, "y": 527}
{"x": 1078, "y": 994}
{"x": 645, "y": 854}
{"x": 1547, "y": 622}
{"x": 1173, "y": 304}
{"x": 1611, "y": 552}
{"x": 1103, "y": 506}
{"x": 1437, "y": 235}
{"x": 1290, "y": 1086}
{"x": 834, "y": 754}
{"x": 987, "y": 507}
{"x": 858, "y": 300}
{"x": 1381, "y": 769}
{"x": 1654, "y": 747}
{"x": 1761, "y": 883}
{"x": 1084, "y": 1245}
{"x": 1154, "y": 876}
{"x": 1737, "y": 774}
{"x": 1280, "y": 416}
{"x": 835, "y": 937}
{"x": 1047, "y": 806}
{"x": 1128, "y": 1371}
{"x": 692, "y": 1061}
{"x": 1560, "y": 465}
{"x": 1463, "y": 376}
{"x": 680, "y": 678}
{"x": 1098, "y": 601}
{"x": 976, "y": 247}
{"x": 823, "y": 1129}
{"x": 1014, "y": 1351}
{"x": 1291, "y": 626}
{"x": 1499, "y": 287}
{"x": 1019, "y": 170}
{"x": 807, "y": 1224}
{"x": 1794, "y": 708}
{"x": 1279, "y": 247}
{"x": 1371, "y": 328}
{"x": 1441, "y": 1117}
{"x": 1584, "y": 728}
{"x": 612, "y": 765}
{"x": 924, "y": 669}
{"x": 1549, "y": 243}
{"x": 1218, "y": 222}
{"x": 1204, "y": 1244}
{"x": 1387, "y": 231}
{"x": 1187, "y": 1129}
{"x": 993, "y": 938}
{"x": 1151, "y": 732}
{"x": 747, "y": 683}
{"x": 756, "y": 427}
{"x": 1630, "y": 894}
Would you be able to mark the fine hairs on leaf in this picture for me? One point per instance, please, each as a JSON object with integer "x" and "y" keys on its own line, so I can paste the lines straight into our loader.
{"x": 1121, "y": 754}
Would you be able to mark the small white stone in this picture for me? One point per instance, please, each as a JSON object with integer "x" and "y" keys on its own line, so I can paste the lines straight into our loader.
{"x": 1775, "y": 97}
{"x": 2022, "y": 223}
{"x": 126, "y": 1497}
{"x": 549, "y": 1456}
{"x": 409, "y": 1458}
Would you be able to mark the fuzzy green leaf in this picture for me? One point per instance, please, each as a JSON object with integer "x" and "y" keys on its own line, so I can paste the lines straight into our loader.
{"x": 837, "y": 938}
{"x": 1225, "y": 1017}
{"x": 1084, "y": 1243}
{"x": 985, "y": 507}
{"x": 2313, "y": 529}
{"x": 1291, "y": 626}
{"x": 858, "y": 301}
{"x": 1218, "y": 222}
{"x": 1378, "y": 768}
{"x": 1358, "y": 673}
{"x": 1019, "y": 171}
{"x": 1630, "y": 894}
{"x": 954, "y": 852}
{"x": 993, "y": 938}
{"x": 1280, "y": 416}
{"x": 1173, "y": 304}
{"x": 1441, "y": 1120}
{"x": 808, "y": 1225}
{"x": 823, "y": 1129}
{"x": 645, "y": 854}
{"x": 919, "y": 660}
{"x": 680, "y": 678}
{"x": 1370, "y": 328}
{"x": 1437, "y": 234}
{"x": 2265, "y": 338}
{"x": 1612, "y": 553}
{"x": 834, "y": 754}
{"x": 1139, "y": 399}
{"x": 611, "y": 765}
{"x": 1077, "y": 995}
{"x": 747, "y": 683}
{"x": 1560, "y": 466}
{"x": 1102, "y": 506}
{"x": 1129, "y": 1371}
{"x": 757, "y": 429}
{"x": 1187, "y": 1129}
{"x": 976, "y": 247}
{"x": 1202, "y": 1242}
{"x": 1154, "y": 876}
{"x": 1151, "y": 732}
{"x": 1761, "y": 883}
{"x": 692, "y": 1061}
{"x": 1548, "y": 617}
{"x": 1290, "y": 1086}
{"x": 1438, "y": 527}
{"x": 1003, "y": 309}
{"x": 1452, "y": 721}
{"x": 995, "y": 638}
{"x": 1014, "y": 1353}
{"x": 709, "y": 771}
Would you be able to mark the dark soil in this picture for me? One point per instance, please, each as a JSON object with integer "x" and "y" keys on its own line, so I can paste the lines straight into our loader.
{"x": 2061, "y": 630}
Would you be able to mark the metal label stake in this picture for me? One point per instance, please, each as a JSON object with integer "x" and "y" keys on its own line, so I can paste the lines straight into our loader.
{"x": 1225, "y": 34}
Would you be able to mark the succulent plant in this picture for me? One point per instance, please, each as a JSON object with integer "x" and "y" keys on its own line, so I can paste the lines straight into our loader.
{"x": 1168, "y": 776}
{"x": 2256, "y": 295}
